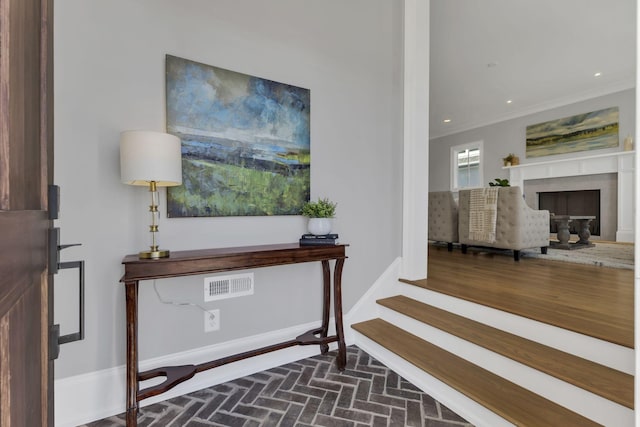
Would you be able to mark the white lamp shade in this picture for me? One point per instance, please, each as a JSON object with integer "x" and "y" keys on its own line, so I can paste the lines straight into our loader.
{"x": 147, "y": 156}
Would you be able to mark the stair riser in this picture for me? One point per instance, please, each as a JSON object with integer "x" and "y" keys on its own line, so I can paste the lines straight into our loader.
{"x": 467, "y": 408}
{"x": 598, "y": 351}
{"x": 578, "y": 400}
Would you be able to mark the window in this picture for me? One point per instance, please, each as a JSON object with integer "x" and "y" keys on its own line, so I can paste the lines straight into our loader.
{"x": 466, "y": 166}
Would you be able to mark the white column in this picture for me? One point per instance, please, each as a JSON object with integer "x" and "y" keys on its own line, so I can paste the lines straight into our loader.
{"x": 626, "y": 199}
{"x": 636, "y": 181}
{"x": 416, "y": 139}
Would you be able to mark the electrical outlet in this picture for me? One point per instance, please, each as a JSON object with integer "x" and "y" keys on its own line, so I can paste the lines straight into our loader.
{"x": 212, "y": 320}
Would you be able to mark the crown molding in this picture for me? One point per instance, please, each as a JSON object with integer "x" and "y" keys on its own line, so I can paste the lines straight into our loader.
{"x": 618, "y": 86}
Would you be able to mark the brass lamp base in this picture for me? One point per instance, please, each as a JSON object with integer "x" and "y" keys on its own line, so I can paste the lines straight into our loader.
{"x": 160, "y": 253}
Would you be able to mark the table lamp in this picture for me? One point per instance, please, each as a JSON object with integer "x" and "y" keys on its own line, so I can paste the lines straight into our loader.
{"x": 151, "y": 159}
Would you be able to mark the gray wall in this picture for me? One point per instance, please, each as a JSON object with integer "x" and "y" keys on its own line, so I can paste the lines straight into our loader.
{"x": 109, "y": 77}
{"x": 507, "y": 137}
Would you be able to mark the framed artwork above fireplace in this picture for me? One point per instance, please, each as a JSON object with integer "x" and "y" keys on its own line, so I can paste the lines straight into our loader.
{"x": 590, "y": 131}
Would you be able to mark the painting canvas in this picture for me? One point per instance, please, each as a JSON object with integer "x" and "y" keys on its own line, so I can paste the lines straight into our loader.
{"x": 245, "y": 142}
{"x": 590, "y": 131}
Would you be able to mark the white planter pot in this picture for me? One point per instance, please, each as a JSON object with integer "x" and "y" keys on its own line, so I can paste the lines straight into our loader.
{"x": 319, "y": 226}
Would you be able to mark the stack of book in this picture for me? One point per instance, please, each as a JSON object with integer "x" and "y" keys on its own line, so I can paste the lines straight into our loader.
{"x": 314, "y": 239}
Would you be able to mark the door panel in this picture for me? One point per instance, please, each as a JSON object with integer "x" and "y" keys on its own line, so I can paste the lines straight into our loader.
{"x": 20, "y": 104}
{"x": 26, "y": 147}
{"x": 23, "y": 360}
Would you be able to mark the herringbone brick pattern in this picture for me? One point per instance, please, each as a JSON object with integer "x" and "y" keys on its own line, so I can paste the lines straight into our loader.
{"x": 310, "y": 392}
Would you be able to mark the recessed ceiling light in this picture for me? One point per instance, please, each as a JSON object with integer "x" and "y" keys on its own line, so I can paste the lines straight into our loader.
{"x": 446, "y": 121}
{"x": 598, "y": 74}
{"x": 509, "y": 101}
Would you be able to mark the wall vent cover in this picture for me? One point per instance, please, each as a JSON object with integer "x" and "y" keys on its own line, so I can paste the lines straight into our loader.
{"x": 230, "y": 286}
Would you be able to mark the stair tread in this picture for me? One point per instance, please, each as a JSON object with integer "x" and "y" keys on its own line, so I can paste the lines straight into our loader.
{"x": 562, "y": 294}
{"x": 510, "y": 401}
{"x": 598, "y": 379}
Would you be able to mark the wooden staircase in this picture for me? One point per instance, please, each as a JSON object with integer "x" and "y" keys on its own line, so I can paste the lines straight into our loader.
{"x": 468, "y": 355}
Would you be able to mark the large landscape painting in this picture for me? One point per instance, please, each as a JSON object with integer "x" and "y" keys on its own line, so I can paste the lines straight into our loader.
{"x": 245, "y": 142}
{"x": 590, "y": 131}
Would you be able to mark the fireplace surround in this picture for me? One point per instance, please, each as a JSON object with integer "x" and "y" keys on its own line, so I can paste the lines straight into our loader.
{"x": 607, "y": 184}
{"x": 613, "y": 173}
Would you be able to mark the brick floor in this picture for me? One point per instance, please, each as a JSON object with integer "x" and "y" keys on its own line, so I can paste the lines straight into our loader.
{"x": 310, "y": 392}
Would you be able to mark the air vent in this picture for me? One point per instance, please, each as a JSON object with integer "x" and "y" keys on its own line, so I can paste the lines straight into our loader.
{"x": 222, "y": 287}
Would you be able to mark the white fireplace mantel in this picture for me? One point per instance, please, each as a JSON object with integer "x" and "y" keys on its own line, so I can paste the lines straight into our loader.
{"x": 621, "y": 162}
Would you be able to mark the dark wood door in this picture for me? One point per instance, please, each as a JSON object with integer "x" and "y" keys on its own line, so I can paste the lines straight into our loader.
{"x": 26, "y": 159}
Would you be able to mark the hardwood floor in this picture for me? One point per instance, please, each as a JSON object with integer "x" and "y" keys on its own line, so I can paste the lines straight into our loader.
{"x": 592, "y": 300}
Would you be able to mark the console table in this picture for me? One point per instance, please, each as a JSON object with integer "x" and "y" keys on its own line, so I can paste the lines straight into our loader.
{"x": 184, "y": 263}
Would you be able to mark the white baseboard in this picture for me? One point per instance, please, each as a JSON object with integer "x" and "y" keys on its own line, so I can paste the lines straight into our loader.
{"x": 625, "y": 236}
{"x": 88, "y": 397}
{"x": 366, "y": 308}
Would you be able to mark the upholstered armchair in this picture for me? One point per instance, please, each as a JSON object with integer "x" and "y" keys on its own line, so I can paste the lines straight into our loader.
{"x": 517, "y": 226}
{"x": 443, "y": 218}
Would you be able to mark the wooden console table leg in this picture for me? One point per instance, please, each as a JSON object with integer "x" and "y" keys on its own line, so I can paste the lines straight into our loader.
{"x": 131, "y": 295}
{"x": 337, "y": 306}
{"x": 326, "y": 303}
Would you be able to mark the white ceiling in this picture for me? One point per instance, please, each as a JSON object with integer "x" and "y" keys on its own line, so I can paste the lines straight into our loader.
{"x": 545, "y": 54}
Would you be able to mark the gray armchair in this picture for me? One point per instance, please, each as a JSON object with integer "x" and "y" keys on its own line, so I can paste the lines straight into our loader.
{"x": 443, "y": 218}
{"x": 517, "y": 225}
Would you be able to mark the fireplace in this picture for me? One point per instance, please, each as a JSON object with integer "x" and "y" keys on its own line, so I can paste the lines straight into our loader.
{"x": 581, "y": 202}
{"x": 602, "y": 186}
{"x": 617, "y": 221}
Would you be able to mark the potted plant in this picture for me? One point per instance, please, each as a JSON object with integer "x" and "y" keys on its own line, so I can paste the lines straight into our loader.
{"x": 511, "y": 160}
{"x": 320, "y": 214}
{"x": 500, "y": 183}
